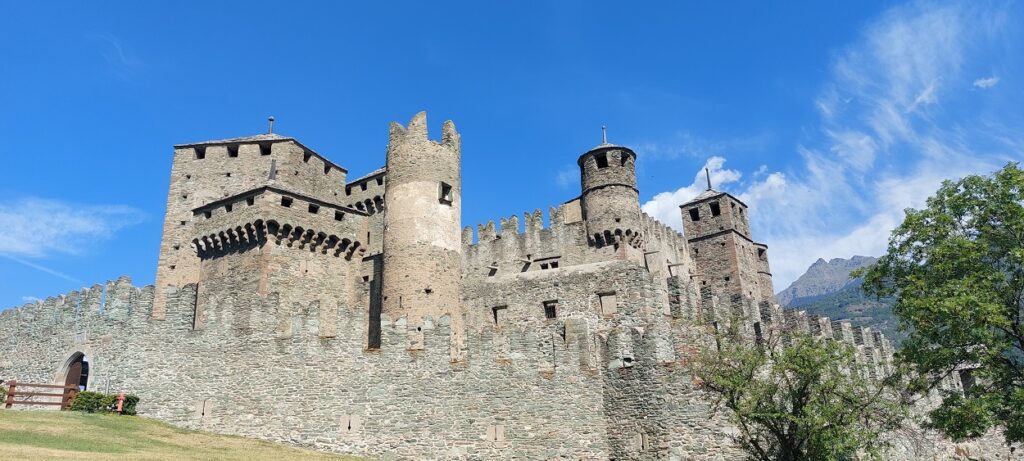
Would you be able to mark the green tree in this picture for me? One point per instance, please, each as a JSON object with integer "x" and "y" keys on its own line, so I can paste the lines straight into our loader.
{"x": 956, "y": 269}
{"x": 805, "y": 399}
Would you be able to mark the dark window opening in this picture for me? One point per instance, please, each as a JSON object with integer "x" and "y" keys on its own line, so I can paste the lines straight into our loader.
{"x": 233, "y": 151}
{"x": 715, "y": 209}
{"x": 445, "y": 193}
{"x": 348, "y": 191}
{"x": 428, "y": 290}
{"x": 173, "y": 266}
{"x": 207, "y": 214}
{"x": 543, "y": 266}
{"x": 550, "y": 309}
{"x": 327, "y": 168}
{"x": 338, "y": 215}
{"x": 366, "y": 278}
{"x": 286, "y": 202}
{"x": 362, "y": 186}
{"x": 495, "y": 310}
{"x": 200, "y": 153}
{"x": 228, "y": 175}
{"x": 623, "y": 159}
{"x": 306, "y": 156}
{"x": 380, "y": 181}
{"x": 228, "y": 208}
{"x": 727, "y": 278}
{"x": 313, "y": 208}
{"x": 760, "y": 253}
{"x": 491, "y": 271}
{"x": 602, "y": 160}
{"x": 183, "y": 223}
{"x": 250, "y": 201}
{"x": 694, "y": 214}
{"x": 696, "y": 251}
{"x": 176, "y": 246}
{"x": 265, "y": 148}
{"x": 188, "y": 176}
{"x": 554, "y": 264}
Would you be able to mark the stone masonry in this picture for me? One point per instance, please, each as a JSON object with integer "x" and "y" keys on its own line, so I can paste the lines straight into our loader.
{"x": 358, "y": 317}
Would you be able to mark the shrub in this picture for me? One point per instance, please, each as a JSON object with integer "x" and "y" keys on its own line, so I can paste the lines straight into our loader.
{"x": 96, "y": 402}
{"x": 3, "y": 392}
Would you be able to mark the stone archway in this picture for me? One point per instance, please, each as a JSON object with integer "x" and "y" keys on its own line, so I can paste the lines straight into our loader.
{"x": 76, "y": 371}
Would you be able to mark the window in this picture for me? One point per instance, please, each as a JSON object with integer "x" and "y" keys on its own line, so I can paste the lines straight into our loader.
{"x": 306, "y": 156}
{"x": 250, "y": 201}
{"x": 499, "y": 313}
{"x": 715, "y": 209}
{"x": 265, "y": 148}
{"x": 286, "y": 202}
{"x": 327, "y": 168}
{"x": 362, "y": 186}
{"x": 200, "y": 152}
{"x": 694, "y": 214}
{"x": 551, "y": 309}
{"x": 609, "y": 306}
{"x": 313, "y": 208}
{"x": 445, "y": 193}
{"x": 233, "y": 151}
{"x": 228, "y": 207}
{"x": 760, "y": 253}
{"x": 207, "y": 214}
{"x": 338, "y": 215}
{"x": 602, "y": 160}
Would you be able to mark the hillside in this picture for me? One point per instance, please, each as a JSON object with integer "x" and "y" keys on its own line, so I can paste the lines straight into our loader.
{"x": 81, "y": 436}
{"x": 827, "y": 289}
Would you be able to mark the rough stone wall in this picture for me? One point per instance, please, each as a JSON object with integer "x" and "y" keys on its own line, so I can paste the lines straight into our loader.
{"x": 367, "y": 194}
{"x": 610, "y": 200}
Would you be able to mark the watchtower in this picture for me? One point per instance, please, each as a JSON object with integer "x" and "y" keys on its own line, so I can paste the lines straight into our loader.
{"x": 727, "y": 259}
{"x": 422, "y": 224}
{"x": 610, "y": 201}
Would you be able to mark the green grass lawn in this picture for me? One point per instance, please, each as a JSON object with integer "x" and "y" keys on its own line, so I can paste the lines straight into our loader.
{"x": 80, "y": 436}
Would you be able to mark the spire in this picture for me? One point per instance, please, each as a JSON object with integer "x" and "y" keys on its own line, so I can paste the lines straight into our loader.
{"x": 604, "y": 134}
{"x": 708, "y": 175}
{"x": 270, "y": 124}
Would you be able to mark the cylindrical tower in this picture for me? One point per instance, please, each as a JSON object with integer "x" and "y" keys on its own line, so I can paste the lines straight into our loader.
{"x": 610, "y": 200}
{"x": 422, "y": 224}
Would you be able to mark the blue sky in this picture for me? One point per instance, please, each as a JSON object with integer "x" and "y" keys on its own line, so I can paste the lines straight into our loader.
{"x": 828, "y": 118}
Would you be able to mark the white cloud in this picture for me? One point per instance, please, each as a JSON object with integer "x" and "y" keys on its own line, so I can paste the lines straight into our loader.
{"x": 892, "y": 127}
{"x": 568, "y": 177}
{"x": 665, "y": 206}
{"x": 987, "y": 82}
{"x": 34, "y": 227}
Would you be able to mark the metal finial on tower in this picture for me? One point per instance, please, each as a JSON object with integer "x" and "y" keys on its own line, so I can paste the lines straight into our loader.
{"x": 604, "y": 134}
{"x": 270, "y": 123}
{"x": 708, "y": 175}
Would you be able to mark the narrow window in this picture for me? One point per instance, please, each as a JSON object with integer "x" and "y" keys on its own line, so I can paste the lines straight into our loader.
{"x": 250, "y": 201}
{"x": 313, "y": 208}
{"x": 715, "y": 209}
{"x": 602, "y": 160}
{"x": 273, "y": 169}
{"x": 543, "y": 266}
{"x": 498, "y": 312}
{"x": 286, "y": 202}
{"x": 554, "y": 264}
{"x": 380, "y": 180}
{"x": 362, "y": 186}
{"x": 609, "y": 305}
{"x": 200, "y": 152}
{"x": 551, "y": 309}
{"x": 338, "y": 215}
{"x": 445, "y": 193}
{"x": 694, "y": 214}
{"x": 348, "y": 190}
{"x": 228, "y": 207}
{"x": 327, "y": 168}
{"x": 176, "y": 246}
{"x": 306, "y": 156}
{"x": 207, "y": 214}
{"x": 760, "y": 253}
{"x": 265, "y": 148}
{"x": 227, "y": 175}
{"x": 233, "y": 151}
{"x": 183, "y": 223}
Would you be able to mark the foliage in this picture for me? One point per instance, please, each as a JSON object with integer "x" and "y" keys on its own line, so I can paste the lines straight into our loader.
{"x": 97, "y": 402}
{"x": 956, "y": 269}
{"x": 803, "y": 399}
{"x": 3, "y": 392}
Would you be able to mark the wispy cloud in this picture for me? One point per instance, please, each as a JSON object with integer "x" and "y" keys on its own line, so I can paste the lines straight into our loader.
{"x": 34, "y": 228}
{"x": 987, "y": 82}
{"x": 121, "y": 61}
{"x": 896, "y": 119}
{"x": 568, "y": 177}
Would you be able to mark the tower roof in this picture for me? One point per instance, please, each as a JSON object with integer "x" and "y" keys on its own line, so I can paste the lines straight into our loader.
{"x": 262, "y": 137}
{"x": 710, "y": 194}
{"x": 603, "y": 147}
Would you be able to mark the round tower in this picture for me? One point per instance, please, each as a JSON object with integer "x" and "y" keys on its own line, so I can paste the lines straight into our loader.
{"x": 610, "y": 200}
{"x": 422, "y": 239}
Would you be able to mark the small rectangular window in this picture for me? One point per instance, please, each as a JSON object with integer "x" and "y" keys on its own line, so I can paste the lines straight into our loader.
{"x": 551, "y": 309}
{"x": 265, "y": 148}
{"x": 233, "y": 151}
{"x": 499, "y": 313}
{"x": 313, "y": 208}
{"x": 445, "y": 193}
{"x": 250, "y": 201}
{"x": 694, "y": 214}
{"x": 207, "y": 214}
{"x": 609, "y": 305}
{"x": 228, "y": 207}
{"x": 286, "y": 202}
{"x": 200, "y": 152}
{"x": 338, "y": 215}
{"x": 306, "y": 155}
{"x": 602, "y": 160}
{"x": 715, "y": 209}
{"x": 362, "y": 186}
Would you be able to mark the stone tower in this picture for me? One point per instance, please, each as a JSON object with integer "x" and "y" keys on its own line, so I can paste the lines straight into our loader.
{"x": 422, "y": 227}
{"x": 610, "y": 201}
{"x": 727, "y": 259}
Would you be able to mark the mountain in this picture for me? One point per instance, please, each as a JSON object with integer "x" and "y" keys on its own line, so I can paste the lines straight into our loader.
{"x": 827, "y": 289}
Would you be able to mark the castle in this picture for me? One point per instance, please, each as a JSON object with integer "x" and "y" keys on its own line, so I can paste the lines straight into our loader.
{"x": 358, "y": 316}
